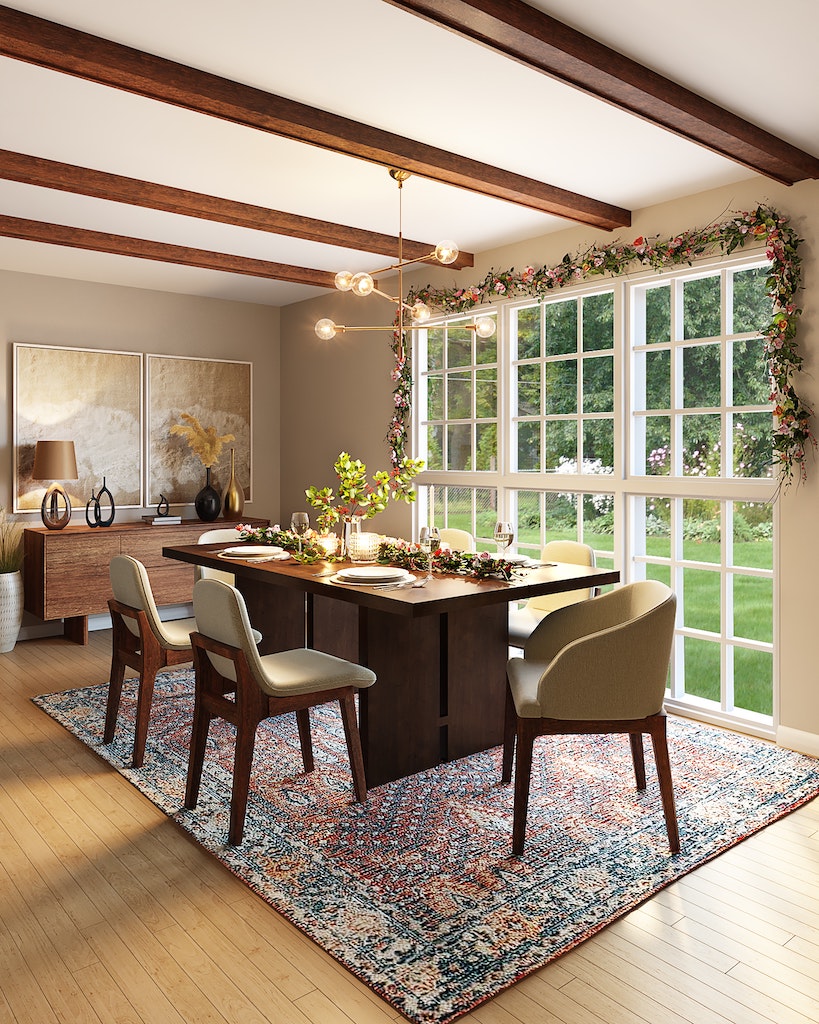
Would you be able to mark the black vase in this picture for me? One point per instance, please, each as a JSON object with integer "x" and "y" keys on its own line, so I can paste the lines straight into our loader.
{"x": 208, "y": 502}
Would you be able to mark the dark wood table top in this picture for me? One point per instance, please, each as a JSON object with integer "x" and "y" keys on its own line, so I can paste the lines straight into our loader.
{"x": 445, "y": 592}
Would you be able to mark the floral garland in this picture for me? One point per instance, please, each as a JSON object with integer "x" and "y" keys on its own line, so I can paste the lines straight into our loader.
{"x": 307, "y": 550}
{"x": 792, "y": 433}
{"x": 410, "y": 556}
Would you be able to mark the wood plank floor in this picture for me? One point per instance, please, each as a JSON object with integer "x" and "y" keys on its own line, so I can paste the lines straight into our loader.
{"x": 110, "y": 914}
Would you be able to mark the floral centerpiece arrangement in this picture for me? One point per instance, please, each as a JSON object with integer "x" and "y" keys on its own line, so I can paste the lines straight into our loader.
{"x": 355, "y": 497}
{"x": 305, "y": 549}
{"x": 478, "y": 565}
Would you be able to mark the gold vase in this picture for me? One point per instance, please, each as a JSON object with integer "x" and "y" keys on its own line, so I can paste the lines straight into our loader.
{"x": 233, "y": 496}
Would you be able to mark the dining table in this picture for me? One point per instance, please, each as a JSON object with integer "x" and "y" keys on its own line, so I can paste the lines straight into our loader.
{"x": 439, "y": 651}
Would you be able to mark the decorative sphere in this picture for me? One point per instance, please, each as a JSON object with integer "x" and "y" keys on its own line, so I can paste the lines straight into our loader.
{"x": 362, "y": 284}
{"x": 420, "y": 312}
{"x": 484, "y": 326}
{"x": 344, "y": 280}
{"x": 446, "y": 252}
{"x": 326, "y": 329}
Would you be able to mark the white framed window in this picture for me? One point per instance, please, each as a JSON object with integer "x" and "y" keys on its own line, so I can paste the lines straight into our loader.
{"x": 632, "y": 414}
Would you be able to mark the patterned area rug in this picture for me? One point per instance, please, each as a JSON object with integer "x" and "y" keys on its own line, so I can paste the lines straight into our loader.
{"x": 416, "y": 892}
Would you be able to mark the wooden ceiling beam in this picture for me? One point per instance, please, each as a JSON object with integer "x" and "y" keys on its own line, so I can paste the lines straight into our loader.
{"x": 33, "y": 170}
{"x": 142, "y": 248}
{"x": 543, "y": 44}
{"x": 50, "y": 45}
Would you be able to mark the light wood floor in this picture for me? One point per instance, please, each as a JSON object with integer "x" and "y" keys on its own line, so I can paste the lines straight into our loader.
{"x": 110, "y": 914}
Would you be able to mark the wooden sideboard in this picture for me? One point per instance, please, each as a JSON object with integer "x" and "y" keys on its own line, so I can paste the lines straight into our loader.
{"x": 65, "y": 572}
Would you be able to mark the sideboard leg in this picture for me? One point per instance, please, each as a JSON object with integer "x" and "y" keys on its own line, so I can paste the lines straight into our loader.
{"x": 75, "y": 629}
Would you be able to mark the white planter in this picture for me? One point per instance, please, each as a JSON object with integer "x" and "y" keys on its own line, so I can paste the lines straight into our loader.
{"x": 11, "y": 609}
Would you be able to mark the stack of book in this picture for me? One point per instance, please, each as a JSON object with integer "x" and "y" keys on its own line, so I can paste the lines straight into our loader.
{"x": 162, "y": 520}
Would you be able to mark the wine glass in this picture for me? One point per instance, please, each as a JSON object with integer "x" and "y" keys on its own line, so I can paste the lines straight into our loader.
{"x": 299, "y": 523}
{"x": 504, "y": 535}
{"x": 430, "y": 541}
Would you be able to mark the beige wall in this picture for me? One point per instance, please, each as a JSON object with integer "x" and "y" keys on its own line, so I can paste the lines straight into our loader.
{"x": 52, "y": 311}
{"x": 337, "y": 397}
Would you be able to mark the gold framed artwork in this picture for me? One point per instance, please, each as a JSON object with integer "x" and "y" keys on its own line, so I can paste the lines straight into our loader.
{"x": 91, "y": 397}
{"x": 218, "y": 394}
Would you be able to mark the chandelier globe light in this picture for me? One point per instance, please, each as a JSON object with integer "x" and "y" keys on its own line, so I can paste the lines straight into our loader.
{"x": 406, "y": 317}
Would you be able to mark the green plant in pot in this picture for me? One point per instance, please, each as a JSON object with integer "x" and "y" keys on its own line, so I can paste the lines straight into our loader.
{"x": 11, "y": 581}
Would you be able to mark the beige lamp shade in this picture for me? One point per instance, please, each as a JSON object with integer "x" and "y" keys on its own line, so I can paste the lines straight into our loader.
{"x": 55, "y": 461}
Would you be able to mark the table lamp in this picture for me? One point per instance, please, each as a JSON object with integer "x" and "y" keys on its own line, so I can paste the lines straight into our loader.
{"x": 55, "y": 461}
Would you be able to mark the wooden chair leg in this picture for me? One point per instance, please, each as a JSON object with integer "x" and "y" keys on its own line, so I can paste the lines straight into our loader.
{"x": 305, "y": 738}
{"x": 348, "y": 717}
{"x": 114, "y": 695}
{"x": 145, "y": 699}
{"x": 638, "y": 757}
{"x": 659, "y": 742}
{"x": 196, "y": 758}
{"x": 523, "y": 775}
{"x": 509, "y": 727}
{"x": 242, "y": 765}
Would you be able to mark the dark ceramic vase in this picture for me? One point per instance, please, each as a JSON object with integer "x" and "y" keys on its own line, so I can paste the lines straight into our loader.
{"x": 208, "y": 502}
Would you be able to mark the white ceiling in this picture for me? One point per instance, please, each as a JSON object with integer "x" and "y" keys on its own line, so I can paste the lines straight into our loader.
{"x": 378, "y": 65}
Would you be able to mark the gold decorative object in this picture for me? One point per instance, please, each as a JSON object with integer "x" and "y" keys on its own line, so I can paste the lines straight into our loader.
{"x": 233, "y": 496}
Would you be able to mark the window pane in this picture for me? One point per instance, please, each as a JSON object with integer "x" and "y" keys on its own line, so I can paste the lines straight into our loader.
{"x": 753, "y": 680}
{"x": 752, "y": 304}
{"x": 435, "y": 348}
{"x": 701, "y": 308}
{"x": 561, "y": 446}
{"x": 486, "y": 456}
{"x": 753, "y": 534}
{"x": 658, "y": 315}
{"x": 598, "y": 446}
{"x": 459, "y": 447}
{"x": 753, "y": 608}
{"x": 459, "y": 347}
{"x": 658, "y": 446}
{"x": 529, "y": 389}
{"x": 561, "y": 387}
{"x": 598, "y": 521}
{"x": 701, "y": 599}
{"x": 658, "y": 527}
{"x": 529, "y": 447}
{"x": 751, "y": 384}
{"x": 486, "y": 512}
{"x": 701, "y": 376}
{"x": 701, "y": 530}
{"x": 658, "y": 379}
{"x": 753, "y": 444}
{"x": 528, "y": 535}
{"x": 598, "y": 322}
{"x": 435, "y": 447}
{"x": 435, "y": 397}
{"x": 561, "y": 517}
{"x": 528, "y": 332}
{"x": 702, "y": 669}
{"x": 459, "y": 395}
{"x": 598, "y": 384}
{"x": 701, "y": 445}
{"x": 486, "y": 394}
{"x": 560, "y": 326}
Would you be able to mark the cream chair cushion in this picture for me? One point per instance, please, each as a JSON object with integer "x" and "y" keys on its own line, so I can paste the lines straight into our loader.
{"x": 221, "y": 614}
{"x": 522, "y": 620}
{"x": 458, "y": 540}
{"x": 598, "y": 660}
{"x": 131, "y": 586}
{"x": 204, "y": 572}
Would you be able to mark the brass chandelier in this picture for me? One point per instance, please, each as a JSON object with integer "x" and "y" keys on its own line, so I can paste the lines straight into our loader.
{"x": 407, "y": 316}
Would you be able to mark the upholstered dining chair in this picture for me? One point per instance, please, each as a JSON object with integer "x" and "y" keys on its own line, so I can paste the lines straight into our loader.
{"x": 141, "y": 641}
{"x": 458, "y": 540}
{"x": 522, "y": 620}
{"x": 596, "y": 667}
{"x": 237, "y": 684}
{"x": 204, "y": 572}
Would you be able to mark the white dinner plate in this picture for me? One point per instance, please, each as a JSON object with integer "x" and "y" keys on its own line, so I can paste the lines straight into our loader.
{"x": 514, "y": 559}
{"x": 251, "y": 551}
{"x": 372, "y": 574}
{"x": 394, "y": 581}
